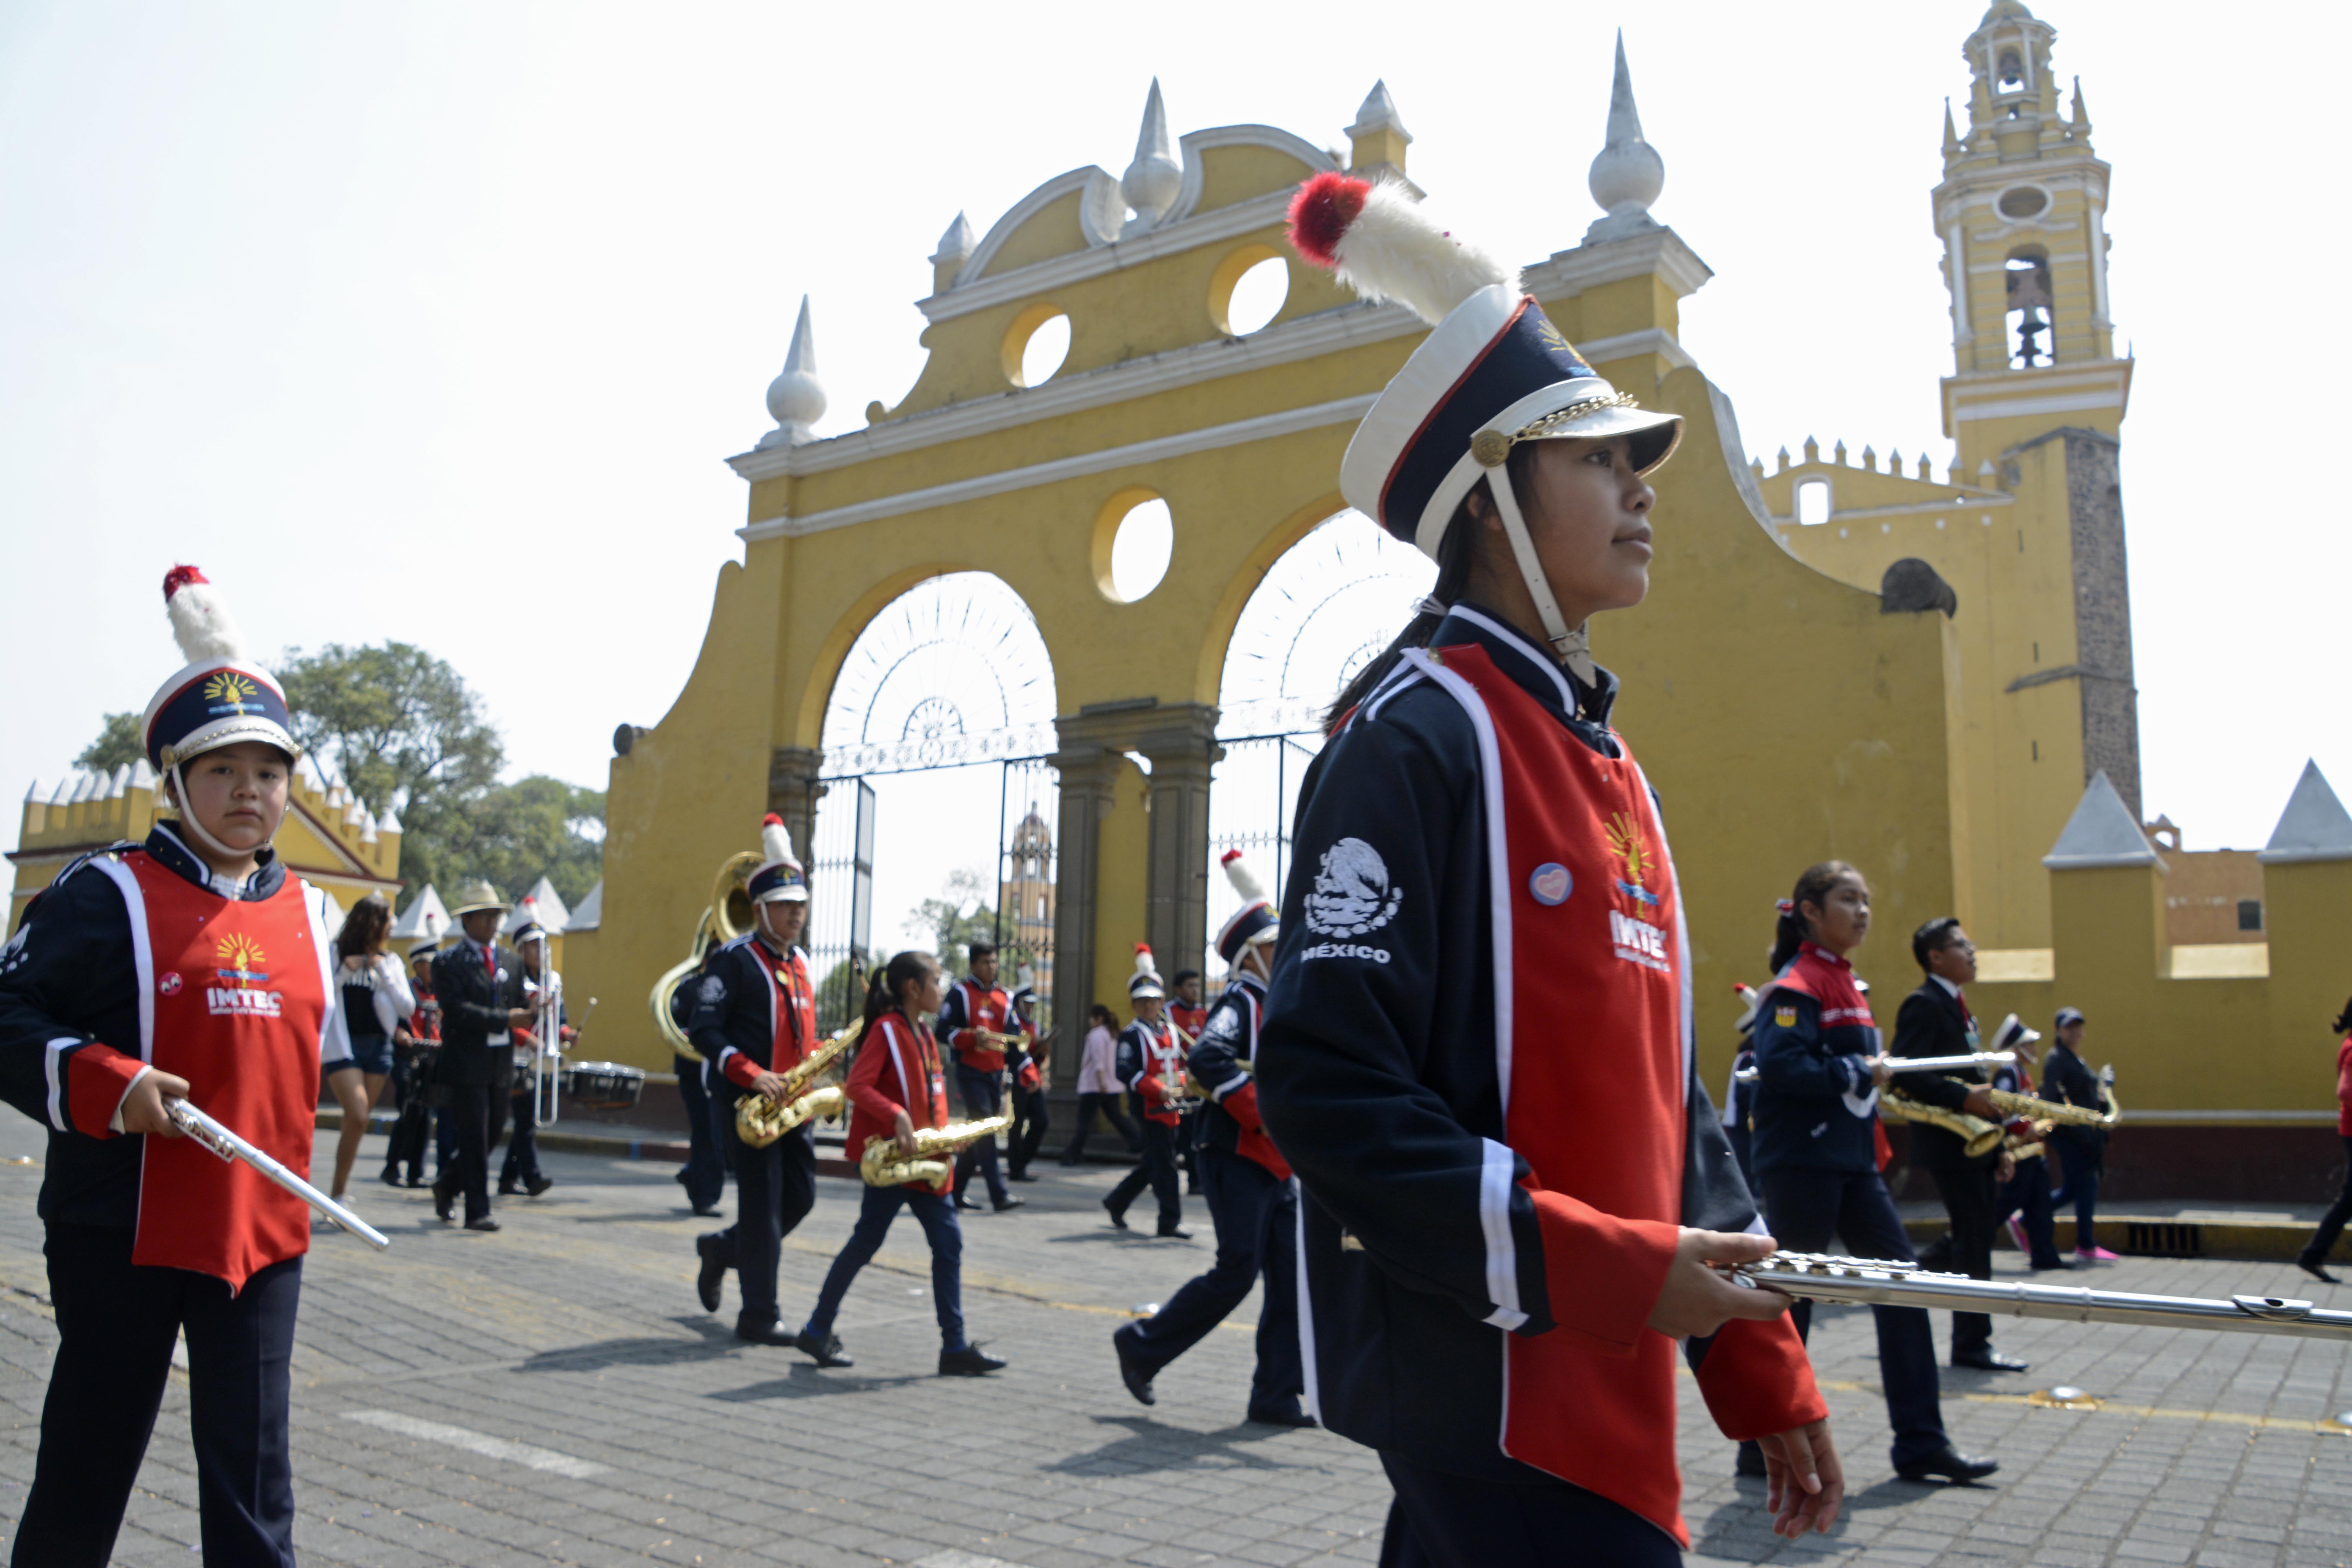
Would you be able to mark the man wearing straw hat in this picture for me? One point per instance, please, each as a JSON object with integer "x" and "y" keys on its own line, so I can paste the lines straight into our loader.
{"x": 479, "y": 982}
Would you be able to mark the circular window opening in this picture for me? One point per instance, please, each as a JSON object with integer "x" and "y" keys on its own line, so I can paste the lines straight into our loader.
{"x": 2022, "y": 201}
{"x": 1134, "y": 537}
{"x": 1248, "y": 289}
{"x": 1036, "y": 344}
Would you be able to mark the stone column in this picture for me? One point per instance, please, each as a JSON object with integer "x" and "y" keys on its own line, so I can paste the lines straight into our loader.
{"x": 1087, "y": 765}
{"x": 794, "y": 792}
{"x": 1183, "y": 748}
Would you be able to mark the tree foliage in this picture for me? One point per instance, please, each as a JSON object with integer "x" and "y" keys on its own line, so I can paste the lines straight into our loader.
{"x": 394, "y": 722}
{"x": 118, "y": 742}
{"x": 961, "y": 917}
{"x": 509, "y": 834}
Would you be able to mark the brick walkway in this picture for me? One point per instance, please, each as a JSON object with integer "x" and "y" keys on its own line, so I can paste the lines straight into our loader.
{"x": 555, "y": 1394}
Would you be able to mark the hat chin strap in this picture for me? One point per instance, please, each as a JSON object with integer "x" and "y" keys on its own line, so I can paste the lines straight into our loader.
{"x": 1573, "y": 649}
{"x": 188, "y": 817}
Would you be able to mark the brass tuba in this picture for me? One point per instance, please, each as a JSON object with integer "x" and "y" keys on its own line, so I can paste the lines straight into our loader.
{"x": 728, "y": 916}
{"x": 759, "y": 1122}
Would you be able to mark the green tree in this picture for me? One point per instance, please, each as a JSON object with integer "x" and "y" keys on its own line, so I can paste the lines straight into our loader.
{"x": 395, "y": 722}
{"x": 840, "y": 998}
{"x": 119, "y": 741}
{"x": 509, "y": 834}
{"x": 956, "y": 919}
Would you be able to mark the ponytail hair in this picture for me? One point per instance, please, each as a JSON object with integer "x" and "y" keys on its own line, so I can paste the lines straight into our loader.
{"x": 1457, "y": 551}
{"x": 891, "y": 982}
{"x": 2343, "y": 1024}
{"x": 1813, "y": 886}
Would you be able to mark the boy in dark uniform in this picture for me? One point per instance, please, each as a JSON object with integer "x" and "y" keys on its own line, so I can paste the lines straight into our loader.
{"x": 189, "y": 967}
{"x": 1151, "y": 1068}
{"x": 1031, "y": 1118}
{"x": 478, "y": 981}
{"x": 1251, "y": 1199}
{"x": 975, "y": 1024}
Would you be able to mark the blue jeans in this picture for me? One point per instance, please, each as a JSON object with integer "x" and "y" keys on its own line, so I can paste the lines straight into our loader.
{"x": 935, "y": 1212}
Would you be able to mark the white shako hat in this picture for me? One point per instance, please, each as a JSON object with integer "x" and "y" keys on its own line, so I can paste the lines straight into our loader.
{"x": 1145, "y": 981}
{"x": 2012, "y": 1035}
{"x": 1494, "y": 372}
{"x": 780, "y": 875}
{"x": 220, "y": 696}
{"x": 1254, "y": 921}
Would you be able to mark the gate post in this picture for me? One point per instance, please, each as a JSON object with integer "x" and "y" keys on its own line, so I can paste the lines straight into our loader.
{"x": 1182, "y": 746}
{"x": 794, "y": 792}
{"x": 1088, "y": 767}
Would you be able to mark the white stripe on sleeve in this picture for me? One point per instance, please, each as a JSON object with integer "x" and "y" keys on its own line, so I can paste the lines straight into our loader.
{"x": 1495, "y": 1220}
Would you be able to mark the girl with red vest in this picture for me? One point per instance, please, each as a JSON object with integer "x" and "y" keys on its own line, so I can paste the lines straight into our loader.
{"x": 189, "y": 967}
{"x": 896, "y": 1086}
{"x": 1478, "y": 1051}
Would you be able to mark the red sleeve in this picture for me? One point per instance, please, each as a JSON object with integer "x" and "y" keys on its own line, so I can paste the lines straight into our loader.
{"x": 1601, "y": 1274}
{"x": 1153, "y": 1091}
{"x": 740, "y": 1070}
{"x": 866, "y": 1075}
{"x": 97, "y": 1078}
{"x": 2343, "y": 1072}
{"x": 1028, "y": 1076}
{"x": 1757, "y": 1379}
{"x": 1242, "y": 1106}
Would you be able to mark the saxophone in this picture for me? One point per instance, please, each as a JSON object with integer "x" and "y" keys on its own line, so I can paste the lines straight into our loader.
{"x": 759, "y": 1122}
{"x": 1979, "y": 1136}
{"x": 882, "y": 1165}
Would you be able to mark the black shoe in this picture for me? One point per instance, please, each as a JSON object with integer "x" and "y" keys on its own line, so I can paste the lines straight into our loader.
{"x": 485, "y": 1223}
{"x": 1949, "y": 1465}
{"x": 1131, "y": 1369}
{"x": 417, "y": 1179}
{"x": 1008, "y": 1201}
{"x": 1070, "y": 1160}
{"x": 713, "y": 1272}
{"x": 538, "y": 1184}
{"x": 968, "y": 1361}
{"x": 1293, "y": 1417}
{"x": 964, "y": 1200}
{"x": 768, "y": 1333}
{"x": 391, "y": 1177}
{"x": 1750, "y": 1462}
{"x": 827, "y": 1351}
{"x": 2043, "y": 1264}
{"x": 1118, "y": 1217}
{"x": 445, "y": 1202}
{"x": 1176, "y": 1231}
{"x": 509, "y": 1189}
{"x": 1990, "y": 1359}
{"x": 2317, "y": 1269}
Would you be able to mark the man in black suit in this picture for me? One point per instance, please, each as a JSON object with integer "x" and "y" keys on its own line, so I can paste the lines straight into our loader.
{"x": 478, "y": 982}
{"x": 1935, "y": 1021}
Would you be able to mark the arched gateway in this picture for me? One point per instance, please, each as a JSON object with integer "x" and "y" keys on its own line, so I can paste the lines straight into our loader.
{"x": 998, "y": 462}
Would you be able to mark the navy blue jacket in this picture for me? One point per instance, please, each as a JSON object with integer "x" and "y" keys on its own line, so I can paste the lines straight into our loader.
{"x": 1815, "y": 1103}
{"x": 1227, "y": 1039}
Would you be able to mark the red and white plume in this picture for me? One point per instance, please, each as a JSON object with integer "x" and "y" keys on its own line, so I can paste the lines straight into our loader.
{"x": 775, "y": 841}
{"x": 1244, "y": 879}
{"x": 1384, "y": 246}
{"x": 201, "y": 623}
{"x": 1144, "y": 963}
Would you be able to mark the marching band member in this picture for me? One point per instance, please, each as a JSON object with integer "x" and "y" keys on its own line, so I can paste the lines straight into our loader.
{"x": 1818, "y": 1154}
{"x": 754, "y": 1019}
{"x": 478, "y": 981}
{"x": 1505, "y": 1227}
{"x": 894, "y": 1087}
{"x": 1151, "y": 1067}
{"x": 1186, "y": 1011}
{"x": 191, "y": 966}
{"x": 1251, "y": 1199}
{"x": 972, "y": 1023}
{"x": 1031, "y": 1120}
{"x": 520, "y": 1171}
{"x": 417, "y": 1045}
{"x": 2025, "y": 1205}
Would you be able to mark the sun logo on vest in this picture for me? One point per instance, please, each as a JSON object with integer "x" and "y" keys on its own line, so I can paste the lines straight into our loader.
{"x": 230, "y": 692}
{"x": 239, "y": 994}
{"x": 1638, "y": 939}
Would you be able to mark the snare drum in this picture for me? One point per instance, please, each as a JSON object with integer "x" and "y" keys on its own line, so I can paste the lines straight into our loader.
{"x": 603, "y": 1086}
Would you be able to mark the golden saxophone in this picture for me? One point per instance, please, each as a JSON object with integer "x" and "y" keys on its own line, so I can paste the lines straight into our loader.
{"x": 1979, "y": 1136}
{"x": 759, "y": 1122}
{"x": 883, "y": 1166}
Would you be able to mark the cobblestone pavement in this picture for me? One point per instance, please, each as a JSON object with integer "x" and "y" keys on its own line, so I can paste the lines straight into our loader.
{"x": 555, "y": 1394}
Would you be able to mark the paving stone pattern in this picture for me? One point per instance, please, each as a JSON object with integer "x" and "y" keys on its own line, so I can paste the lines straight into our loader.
{"x": 554, "y": 1394}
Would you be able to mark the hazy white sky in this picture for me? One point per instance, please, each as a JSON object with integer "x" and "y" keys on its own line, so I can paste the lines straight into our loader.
{"x": 434, "y": 320}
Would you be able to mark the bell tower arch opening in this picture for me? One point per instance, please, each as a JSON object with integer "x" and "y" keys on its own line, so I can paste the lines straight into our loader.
{"x": 2028, "y": 302}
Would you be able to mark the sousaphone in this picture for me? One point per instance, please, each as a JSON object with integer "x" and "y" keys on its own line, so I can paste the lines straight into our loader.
{"x": 729, "y": 915}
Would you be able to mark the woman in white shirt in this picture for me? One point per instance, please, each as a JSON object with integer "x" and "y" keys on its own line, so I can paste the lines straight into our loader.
{"x": 377, "y": 1002}
{"x": 1099, "y": 1086}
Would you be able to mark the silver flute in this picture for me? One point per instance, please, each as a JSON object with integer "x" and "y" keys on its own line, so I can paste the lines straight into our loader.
{"x": 1926, "y": 1064}
{"x": 212, "y": 1135}
{"x": 1819, "y": 1278}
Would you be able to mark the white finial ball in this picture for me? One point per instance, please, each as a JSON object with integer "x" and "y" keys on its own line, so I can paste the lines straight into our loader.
{"x": 1627, "y": 176}
{"x": 1151, "y": 185}
{"x": 796, "y": 398}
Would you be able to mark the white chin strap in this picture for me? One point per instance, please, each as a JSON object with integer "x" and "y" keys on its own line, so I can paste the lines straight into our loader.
{"x": 188, "y": 817}
{"x": 1574, "y": 648}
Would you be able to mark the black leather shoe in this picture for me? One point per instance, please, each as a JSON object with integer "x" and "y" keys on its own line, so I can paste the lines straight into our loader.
{"x": 538, "y": 1184}
{"x": 1950, "y": 1464}
{"x": 713, "y": 1272}
{"x": 827, "y": 1351}
{"x": 1131, "y": 1370}
{"x": 445, "y": 1202}
{"x": 391, "y": 1177}
{"x": 485, "y": 1223}
{"x": 1293, "y": 1416}
{"x": 968, "y": 1361}
{"x": 1010, "y": 1200}
{"x": 965, "y": 1201}
{"x": 1177, "y": 1232}
{"x": 2317, "y": 1270}
{"x": 768, "y": 1333}
{"x": 1750, "y": 1462}
{"x": 1991, "y": 1360}
{"x": 710, "y": 1212}
{"x": 2042, "y": 1266}
{"x": 418, "y": 1180}
{"x": 509, "y": 1189}
{"x": 1118, "y": 1217}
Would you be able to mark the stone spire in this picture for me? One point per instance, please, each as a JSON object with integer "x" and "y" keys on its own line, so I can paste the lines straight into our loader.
{"x": 2078, "y": 120}
{"x": 795, "y": 398}
{"x": 1378, "y": 136}
{"x": 1153, "y": 181}
{"x": 2314, "y": 826}
{"x": 1628, "y": 174}
{"x": 955, "y": 249}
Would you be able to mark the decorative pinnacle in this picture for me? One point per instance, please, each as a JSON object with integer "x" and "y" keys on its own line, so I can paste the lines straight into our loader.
{"x": 1628, "y": 174}
{"x": 796, "y": 399}
{"x": 1153, "y": 181}
{"x": 2079, "y": 120}
{"x": 957, "y": 244}
{"x": 1951, "y": 137}
{"x": 1379, "y": 112}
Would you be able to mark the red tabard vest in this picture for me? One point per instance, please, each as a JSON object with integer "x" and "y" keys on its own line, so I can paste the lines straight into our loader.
{"x": 235, "y": 996}
{"x": 791, "y": 1004}
{"x": 1191, "y": 1020}
{"x": 1592, "y": 1068}
{"x": 1163, "y": 1059}
{"x": 984, "y": 1008}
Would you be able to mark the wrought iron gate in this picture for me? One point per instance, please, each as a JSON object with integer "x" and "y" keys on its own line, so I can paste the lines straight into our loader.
{"x": 1252, "y": 801}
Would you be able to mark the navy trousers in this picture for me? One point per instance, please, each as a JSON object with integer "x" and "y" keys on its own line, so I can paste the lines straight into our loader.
{"x": 1804, "y": 1210}
{"x": 1156, "y": 1169}
{"x": 704, "y": 1176}
{"x": 982, "y": 1093}
{"x": 480, "y": 1110}
{"x": 935, "y": 1212}
{"x": 1256, "y": 1218}
{"x": 2027, "y": 1196}
{"x": 1030, "y": 1122}
{"x": 2081, "y": 1155}
{"x": 1440, "y": 1521}
{"x": 521, "y": 1164}
{"x": 115, "y": 1324}
{"x": 775, "y": 1187}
